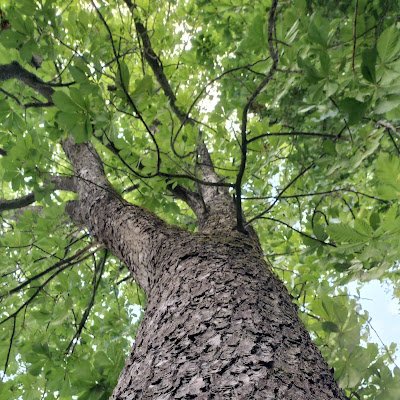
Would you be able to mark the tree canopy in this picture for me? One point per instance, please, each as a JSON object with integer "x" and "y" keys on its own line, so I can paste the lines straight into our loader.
{"x": 298, "y": 103}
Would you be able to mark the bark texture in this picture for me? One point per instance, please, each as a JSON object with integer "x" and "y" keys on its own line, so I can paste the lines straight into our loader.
{"x": 218, "y": 324}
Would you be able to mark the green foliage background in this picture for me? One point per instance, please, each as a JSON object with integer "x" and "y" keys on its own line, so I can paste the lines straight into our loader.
{"x": 338, "y": 220}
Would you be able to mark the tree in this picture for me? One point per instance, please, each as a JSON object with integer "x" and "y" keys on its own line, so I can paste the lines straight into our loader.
{"x": 209, "y": 148}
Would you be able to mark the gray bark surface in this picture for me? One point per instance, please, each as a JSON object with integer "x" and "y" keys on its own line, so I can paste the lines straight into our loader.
{"x": 218, "y": 324}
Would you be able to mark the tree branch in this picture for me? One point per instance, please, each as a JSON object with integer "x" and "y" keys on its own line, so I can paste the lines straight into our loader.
{"x": 10, "y": 346}
{"x": 299, "y": 232}
{"x": 8, "y": 94}
{"x": 39, "y": 288}
{"x": 97, "y": 275}
{"x": 17, "y": 203}
{"x": 353, "y": 57}
{"x": 69, "y": 261}
{"x": 388, "y": 125}
{"x": 300, "y": 174}
{"x": 333, "y": 191}
{"x": 15, "y": 71}
{"x": 156, "y": 65}
{"x": 293, "y": 133}
{"x": 243, "y": 129}
{"x": 193, "y": 199}
{"x": 61, "y": 183}
{"x": 390, "y": 129}
{"x": 130, "y": 232}
{"x": 125, "y": 89}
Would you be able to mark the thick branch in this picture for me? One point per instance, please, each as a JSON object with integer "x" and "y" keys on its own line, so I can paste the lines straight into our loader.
{"x": 131, "y": 233}
{"x": 219, "y": 211}
{"x": 17, "y": 203}
{"x": 155, "y": 63}
{"x": 193, "y": 199}
{"x": 15, "y": 71}
{"x": 215, "y": 193}
{"x": 61, "y": 183}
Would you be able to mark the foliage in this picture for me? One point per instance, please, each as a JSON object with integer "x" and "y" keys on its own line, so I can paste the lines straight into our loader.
{"x": 321, "y": 183}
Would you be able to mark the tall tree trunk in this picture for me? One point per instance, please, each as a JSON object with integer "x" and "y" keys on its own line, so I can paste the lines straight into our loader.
{"x": 218, "y": 323}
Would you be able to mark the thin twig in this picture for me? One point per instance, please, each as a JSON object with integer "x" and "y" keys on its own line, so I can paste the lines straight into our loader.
{"x": 58, "y": 264}
{"x": 125, "y": 89}
{"x": 41, "y": 287}
{"x": 300, "y": 174}
{"x": 97, "y": 275}
{"x": 243, "y": 129}
{"x": 354, "y": 37}
{"x": 294, "y": 133}
{"x": 333, "y": 191}
{"x": 15, "y": 98}
{"x": 299, "y": 232}
{"x": 10, "y": 346}
{"x": 382, "y": 342}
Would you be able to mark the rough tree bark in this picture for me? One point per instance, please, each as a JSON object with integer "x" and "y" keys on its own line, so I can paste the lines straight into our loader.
{"x": 218, "y": 323}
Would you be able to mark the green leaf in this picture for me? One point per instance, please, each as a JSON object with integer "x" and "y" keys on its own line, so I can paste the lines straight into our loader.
{"x": 311, "y": 72}
{"x": 123, "y": 75}
{"x": 388, "y": 44}
{"x": 143, "y": 87}
{"x": 67, "y": 120}
{"x": 368, "y": 65}
{"x": 101, "y": 360}
{"x": 353, "y": 108}
{"x": 255, "y": 40}
{"x": 78, "y": 74}
{"x": 388, "y": 104}
{"x": 318, "y": 30}
{"x": 319, "y": 232}
{"x": 387, "y": 173}
{"x": 374, "y": 220}
{"x": 329, "y": 326}
{"x": 343, "y": 233}
{"x": 64, "y": 103}
{"x": 363, "y": 227}
{"x": 325, "y": 63}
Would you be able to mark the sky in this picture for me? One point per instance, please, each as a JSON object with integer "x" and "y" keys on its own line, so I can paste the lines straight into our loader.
{"x": 384, "y": 311}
